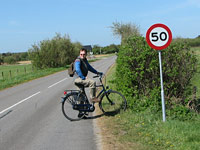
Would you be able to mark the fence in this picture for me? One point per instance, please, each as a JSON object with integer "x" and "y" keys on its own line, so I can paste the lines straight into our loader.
{"x": 11, "y": 72}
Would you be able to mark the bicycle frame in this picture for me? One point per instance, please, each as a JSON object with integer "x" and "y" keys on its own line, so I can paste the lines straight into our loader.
{"x": 104, "y": 91}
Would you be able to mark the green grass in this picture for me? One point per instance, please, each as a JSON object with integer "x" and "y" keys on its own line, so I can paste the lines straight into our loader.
{"x": 146, "y": 130}
{"x": 21, "y": 76}
{"x": 9, "y": 71}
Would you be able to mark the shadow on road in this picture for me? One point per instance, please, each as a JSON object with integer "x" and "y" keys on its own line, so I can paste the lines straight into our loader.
{"x": 95, "y": 117}
{"x": 111, "y": 113}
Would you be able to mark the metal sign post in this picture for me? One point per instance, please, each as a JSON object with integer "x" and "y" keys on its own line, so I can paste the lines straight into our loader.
{"x": 159, "y": 37}
{"x": 162, "y": 89}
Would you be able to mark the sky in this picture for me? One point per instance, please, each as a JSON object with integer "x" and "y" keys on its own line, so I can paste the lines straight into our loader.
{"x": 24, "y": 23}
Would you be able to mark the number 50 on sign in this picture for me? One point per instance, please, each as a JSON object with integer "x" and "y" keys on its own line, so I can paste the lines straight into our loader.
{"x": 159, "y": 36}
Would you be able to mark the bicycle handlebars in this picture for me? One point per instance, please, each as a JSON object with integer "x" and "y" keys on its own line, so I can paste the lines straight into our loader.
{"x": 98, "y": 75}
{"x": 95, "y": 76}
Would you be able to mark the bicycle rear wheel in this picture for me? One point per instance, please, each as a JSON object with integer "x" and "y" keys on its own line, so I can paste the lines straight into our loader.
{"x": 67, "y": 107}
{"x": 112, "y": 102}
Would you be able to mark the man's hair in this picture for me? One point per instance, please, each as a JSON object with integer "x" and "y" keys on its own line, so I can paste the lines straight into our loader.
{"x": 83, "y": 49}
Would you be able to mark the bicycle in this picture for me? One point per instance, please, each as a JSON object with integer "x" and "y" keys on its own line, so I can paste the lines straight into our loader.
{"x": 76, "y": 106}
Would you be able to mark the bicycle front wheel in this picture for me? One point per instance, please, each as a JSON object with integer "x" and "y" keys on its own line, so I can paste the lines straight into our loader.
{"x": 112, "y": 102}
{"x": 67, "y": 107}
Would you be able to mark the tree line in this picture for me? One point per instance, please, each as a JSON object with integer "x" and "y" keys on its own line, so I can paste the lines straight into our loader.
{"x": 61, "y": 51}
{"x": 12, "y": 58}
{"x": 56, "y": 52}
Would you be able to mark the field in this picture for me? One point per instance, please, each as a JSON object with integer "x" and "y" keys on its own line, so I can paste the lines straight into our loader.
{"x": 11, "y": 75}
{"x": 146, "y": 130}
{"x": 9, "y": 71}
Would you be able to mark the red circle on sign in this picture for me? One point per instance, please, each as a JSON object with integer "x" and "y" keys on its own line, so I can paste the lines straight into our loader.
{"x": 168, "y": 32}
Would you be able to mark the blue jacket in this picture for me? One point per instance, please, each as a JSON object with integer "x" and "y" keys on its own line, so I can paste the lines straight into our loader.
{"x": 82, "y": 67}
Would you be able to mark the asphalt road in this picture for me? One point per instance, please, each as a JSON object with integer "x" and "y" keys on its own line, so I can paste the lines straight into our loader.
{"x": 31, "y": 116}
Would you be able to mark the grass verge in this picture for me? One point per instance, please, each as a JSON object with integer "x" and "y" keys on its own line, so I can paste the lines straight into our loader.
{"x": 146, "y": 130}
{"x": 21, "y": 78}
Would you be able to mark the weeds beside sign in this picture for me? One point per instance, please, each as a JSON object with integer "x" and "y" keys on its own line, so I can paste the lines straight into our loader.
{"x": 159, "y": 37}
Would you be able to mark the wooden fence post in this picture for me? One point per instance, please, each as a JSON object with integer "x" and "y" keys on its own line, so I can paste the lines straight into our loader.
{"x": 10, "y": 74}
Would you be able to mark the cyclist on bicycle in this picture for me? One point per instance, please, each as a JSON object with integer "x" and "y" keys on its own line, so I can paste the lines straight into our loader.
{"x": 81, "y": 71}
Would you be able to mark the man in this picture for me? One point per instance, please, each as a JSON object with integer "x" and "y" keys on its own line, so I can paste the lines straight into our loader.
{"x": 81, "y": 70}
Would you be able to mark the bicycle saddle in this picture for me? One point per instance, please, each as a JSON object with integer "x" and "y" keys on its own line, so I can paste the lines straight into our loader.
{"x": 82, "y": 88}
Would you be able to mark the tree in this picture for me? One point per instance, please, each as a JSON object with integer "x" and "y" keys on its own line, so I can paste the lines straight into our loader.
{"x": 57, "y": 52}
{"x": 10, "y": 60}
{"x": 1, "y": 59}
{"x": 97, "y": 49}
{"x": 24, "y": 56}
{"x": 125, "y": 30}
{"x": 110, "y": 49}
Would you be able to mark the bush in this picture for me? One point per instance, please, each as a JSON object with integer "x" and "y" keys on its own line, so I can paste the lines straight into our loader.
{"x": 110, "y": 49}
{"x": 105, "y": 50}
{"x": 1, "y": 59}
{"x": 191, "y": 42}
{"x": 57, "y": 52}
{"x": 9, "y": 60}
{"x": 138, "y": 73}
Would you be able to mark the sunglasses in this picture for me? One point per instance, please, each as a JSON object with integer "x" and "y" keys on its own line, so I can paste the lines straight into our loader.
{"x": 82, "y": 54}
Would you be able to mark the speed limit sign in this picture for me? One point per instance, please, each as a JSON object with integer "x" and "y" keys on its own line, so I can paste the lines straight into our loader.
{"x": 159, "y": 36}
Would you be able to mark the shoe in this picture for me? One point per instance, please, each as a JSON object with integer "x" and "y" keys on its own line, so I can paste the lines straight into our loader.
{"x": 95, "y": 100}
{"x": 80, "y": 115}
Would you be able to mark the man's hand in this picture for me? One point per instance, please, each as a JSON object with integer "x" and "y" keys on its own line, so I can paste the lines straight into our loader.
{"x": 99, "y": 73}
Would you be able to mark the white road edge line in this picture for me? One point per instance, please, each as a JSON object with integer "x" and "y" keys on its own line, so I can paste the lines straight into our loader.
{"x": 19, "y": 102}
{"x": 57, "y": 82}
